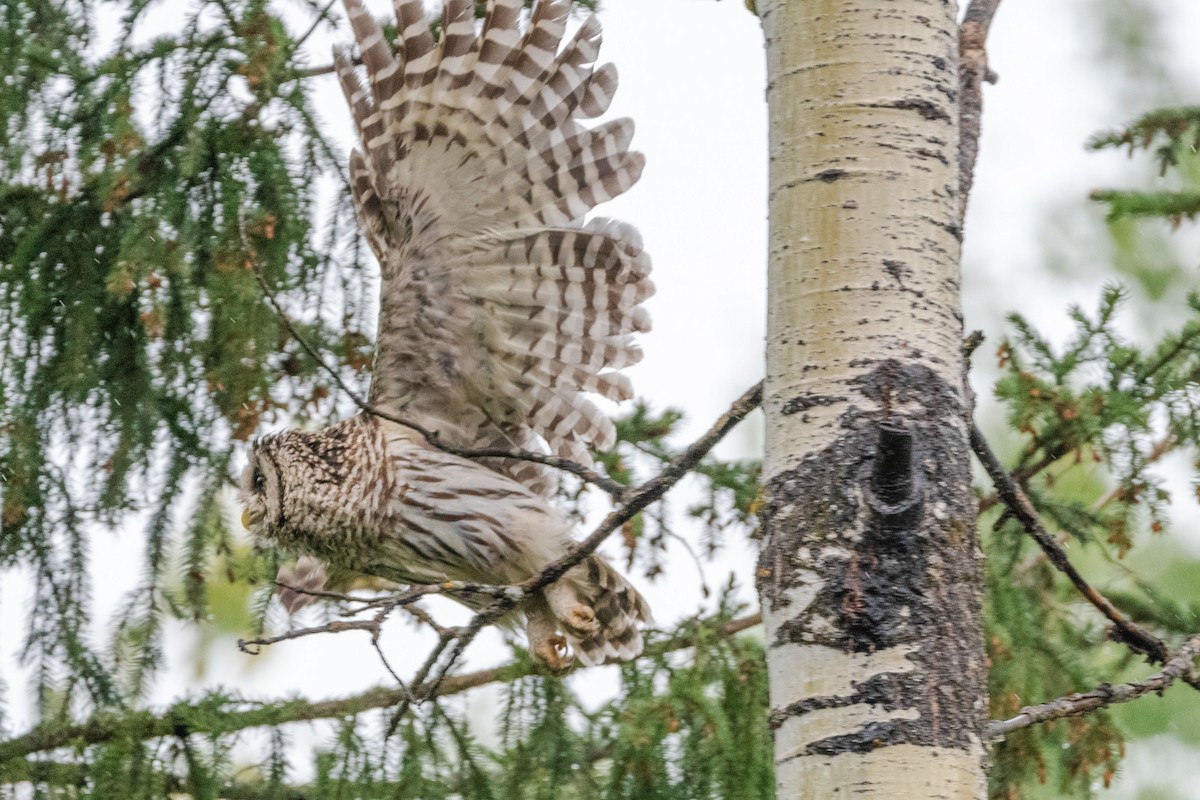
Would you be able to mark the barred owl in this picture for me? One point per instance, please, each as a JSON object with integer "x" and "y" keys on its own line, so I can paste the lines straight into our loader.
{"x": 500, "y": 310}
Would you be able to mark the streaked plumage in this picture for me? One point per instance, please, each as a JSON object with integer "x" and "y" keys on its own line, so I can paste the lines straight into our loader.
{"x": 499, "y": 312}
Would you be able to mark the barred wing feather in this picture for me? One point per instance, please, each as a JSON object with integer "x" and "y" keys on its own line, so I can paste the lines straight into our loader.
{"x": 499, "y": 310}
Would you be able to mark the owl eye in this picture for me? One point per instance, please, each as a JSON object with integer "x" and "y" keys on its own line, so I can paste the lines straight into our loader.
{"x": 257, "y": 479}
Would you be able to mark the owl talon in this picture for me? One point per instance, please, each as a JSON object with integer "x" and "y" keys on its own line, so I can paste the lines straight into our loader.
{"x": 553, "y": 652}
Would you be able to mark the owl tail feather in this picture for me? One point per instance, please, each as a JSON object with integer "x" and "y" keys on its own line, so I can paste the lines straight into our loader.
{"x": 599, "y": 612}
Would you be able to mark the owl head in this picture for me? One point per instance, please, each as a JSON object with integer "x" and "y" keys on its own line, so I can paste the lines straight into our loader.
{"x": 293, "y": 483}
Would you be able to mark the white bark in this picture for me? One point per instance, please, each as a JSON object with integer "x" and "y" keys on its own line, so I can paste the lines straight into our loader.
{"x": 869, "y": 589}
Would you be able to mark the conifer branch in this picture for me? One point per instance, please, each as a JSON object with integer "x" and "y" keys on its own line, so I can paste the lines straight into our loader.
{"x": 1162, "y": 447}
{"x": 1018, "y": 504}
{"x": 1176, "y": 668}
{"x": 199, "y": 717}
{"x": 64, "y": 774}
{"x": 1024, "y": 472}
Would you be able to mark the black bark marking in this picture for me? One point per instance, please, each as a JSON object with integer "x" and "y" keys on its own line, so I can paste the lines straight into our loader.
{"x": 798, "y": 404}
{"x": 870, "y": 737}
{"x": 934, "y": 154}
{"x": 877, "y": 691}
{"x": 927, "y": 109}
{"x": 898, "y": 269}
{"x": 911, "y": 577}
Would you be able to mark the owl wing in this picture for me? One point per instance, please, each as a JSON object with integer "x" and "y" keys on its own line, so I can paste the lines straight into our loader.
{"x": 499, "y": 311}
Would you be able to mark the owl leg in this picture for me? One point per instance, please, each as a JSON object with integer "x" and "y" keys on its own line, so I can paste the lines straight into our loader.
{"x": 572, "y": 610}
{"x": 598, "y": 611}
{"x": 545, "y": 642}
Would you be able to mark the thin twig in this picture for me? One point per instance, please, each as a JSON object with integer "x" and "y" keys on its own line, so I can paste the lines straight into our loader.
{"x": 342, "y": 598}
{"x": 1163, "y": 446}
{"x": 1073, "y": 705}
{"x": 631, "y": 503}
{"x": 313, "y": 72}
{"x": 321, "y": 17}
{"x": 399, "y": 681}
{"x": 691, "y": 551}
{"x": 422, "y": 692}
{"x": 463, "y": 638}
{"x": 254, "y": 646}
{"x": 384, "y": 606}
{"x": 326, "y": 69}
{"x": 973, "y": 71}
{"x": 423, "y": 616}
{"x": 586, "y": 474}
{"x": 1022, "y": 509}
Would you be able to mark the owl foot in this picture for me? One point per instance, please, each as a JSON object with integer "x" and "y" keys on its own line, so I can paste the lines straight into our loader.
{"x": 553, "y": 652}
{"x": 583, "y": 620}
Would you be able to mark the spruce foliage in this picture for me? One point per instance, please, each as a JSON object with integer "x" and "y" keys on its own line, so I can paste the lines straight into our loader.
{"x": 145, "y": 183}
{"x": 1093, "y": 418}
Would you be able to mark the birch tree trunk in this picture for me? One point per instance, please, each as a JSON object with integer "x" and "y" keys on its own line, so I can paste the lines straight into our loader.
{"x": 869, "y": 573}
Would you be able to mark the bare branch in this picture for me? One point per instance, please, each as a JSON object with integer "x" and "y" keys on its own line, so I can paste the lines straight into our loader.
{"x": 399, "y": 681}
{"x": 340, "y": 597}
{"x": 424, "y": 692}
{"x": 423, "y": 616}
{"x": 973, "y": 71}
{"x": 1073, "y": 705}
{"x": 1022, "y": 509}
{"x": 384, "y": 605}
{"x": 324, "y": 69}
{"x": 253, "y": 646}
{"x": 637, "y": 499}
{"x": 103, "y": 727}
{"x": 632, "y": 502}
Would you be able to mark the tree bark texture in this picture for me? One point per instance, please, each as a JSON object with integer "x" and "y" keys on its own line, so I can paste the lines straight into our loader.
{"x": 869, "y": 572}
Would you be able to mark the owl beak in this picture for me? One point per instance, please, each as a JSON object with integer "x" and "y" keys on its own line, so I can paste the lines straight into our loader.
{"x": 246, "y": 521}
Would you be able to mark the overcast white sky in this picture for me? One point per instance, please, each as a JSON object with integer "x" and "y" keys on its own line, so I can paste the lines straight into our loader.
{"x": 692, "y": 76}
